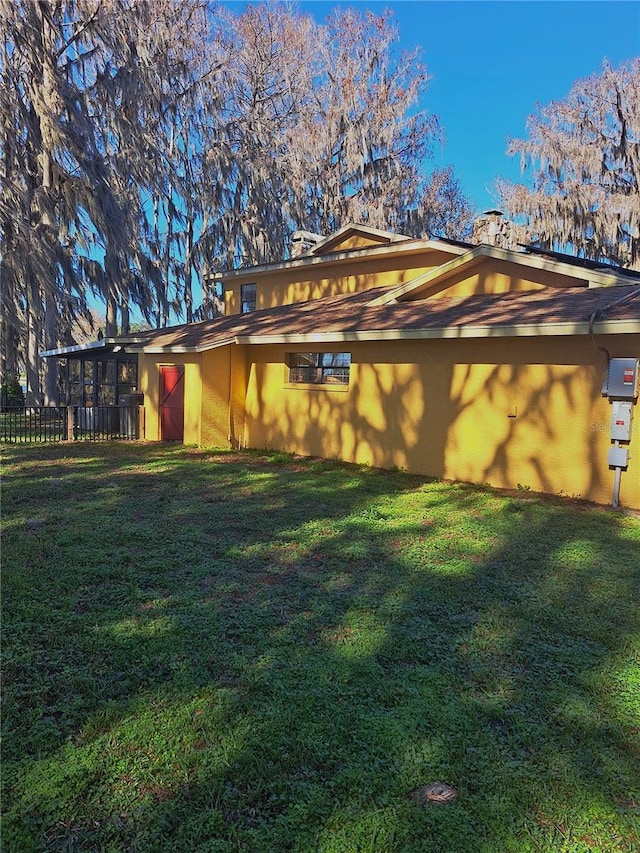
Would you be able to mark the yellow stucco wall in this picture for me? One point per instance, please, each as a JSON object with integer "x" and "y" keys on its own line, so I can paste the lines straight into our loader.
{"x": 216, "y": 389}
{"x": 283, "y": 287}
{"x": 484, "y": 275}
{"x": 507, "y": 411}
{"x": 149, "y": 384}
{"x": 223, "y": 396}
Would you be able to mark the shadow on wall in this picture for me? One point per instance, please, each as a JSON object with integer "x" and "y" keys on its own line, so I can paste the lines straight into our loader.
{"x": 508, "y": 412}
{"x": 287, "y": 287}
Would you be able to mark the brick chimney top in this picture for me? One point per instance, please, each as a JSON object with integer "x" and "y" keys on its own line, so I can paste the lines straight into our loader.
{"x": 302, "y": 241}
{"x": 492, "y": 229}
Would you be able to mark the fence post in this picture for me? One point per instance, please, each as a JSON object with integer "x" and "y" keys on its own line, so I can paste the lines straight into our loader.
{"x": 70, "y": 431}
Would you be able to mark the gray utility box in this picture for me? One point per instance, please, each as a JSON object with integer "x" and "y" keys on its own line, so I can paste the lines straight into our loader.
{"x": 621, "y": 420}
{"x": 622, "y": 378}
{"x": 618, "y": 457}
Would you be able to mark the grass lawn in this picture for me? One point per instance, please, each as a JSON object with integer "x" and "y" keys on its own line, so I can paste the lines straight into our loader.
{"x": 207, "y": 651}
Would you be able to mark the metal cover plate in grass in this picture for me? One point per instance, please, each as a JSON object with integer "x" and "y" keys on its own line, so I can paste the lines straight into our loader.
{"x": 435, "y": 794}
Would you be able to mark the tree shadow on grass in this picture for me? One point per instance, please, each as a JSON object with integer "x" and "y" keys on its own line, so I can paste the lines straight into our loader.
{"x": 297, "y": 646}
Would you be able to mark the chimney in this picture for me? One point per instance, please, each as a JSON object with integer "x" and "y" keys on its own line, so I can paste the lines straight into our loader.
{"x": 302, "y": 241}
{"x": 491, "y": 229}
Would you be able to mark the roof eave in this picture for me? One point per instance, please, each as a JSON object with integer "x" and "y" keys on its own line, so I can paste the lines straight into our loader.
{"x": 404, "y": 247}
{"x": 446, "y": 332}
{"x": 178, "y": 348}
{"x": 518, "y": 330}
{"x": 105, "y": 343}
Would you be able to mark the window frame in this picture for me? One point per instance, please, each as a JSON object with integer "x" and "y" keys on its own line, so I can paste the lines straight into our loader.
{"x": 91, "y": 380}
{"x": 248, "y": 301}
{"x": 319, "y": 369}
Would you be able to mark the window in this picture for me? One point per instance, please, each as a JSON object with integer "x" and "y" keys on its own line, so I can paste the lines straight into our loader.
{"x": 75, "y": 383}
{"x": 127, "y": 376}
{"x": 88, "y": 379}
{"x": 106, "y": 382}
{"x": 100, "y": 382}
{"x": 319, "y": 368}
{"x": 247, "y": 298}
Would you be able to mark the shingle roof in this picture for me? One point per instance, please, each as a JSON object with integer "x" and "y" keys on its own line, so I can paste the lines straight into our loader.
{"x": 586, "y": 263}
{"x": 352, "y": 314}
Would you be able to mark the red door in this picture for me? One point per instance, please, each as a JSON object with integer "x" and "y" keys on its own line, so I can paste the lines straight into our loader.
{"x": 172, "y": 403}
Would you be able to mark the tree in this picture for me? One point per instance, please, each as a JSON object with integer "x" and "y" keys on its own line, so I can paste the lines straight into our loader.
{"x": 584, "y": 152}
{"x": 438, "y": 207}
{"x": 317, "y": 127}
{"x": 82, "y": 134}
{"x": 360, "y": 145}
{"x": 144, "y": 141}
{"x": 36, "y": 206}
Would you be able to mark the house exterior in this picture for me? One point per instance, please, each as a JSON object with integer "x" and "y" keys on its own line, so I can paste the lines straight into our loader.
{"x": 461, "y": 362}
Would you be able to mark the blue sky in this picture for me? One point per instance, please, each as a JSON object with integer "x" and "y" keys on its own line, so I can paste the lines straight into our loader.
{"x": 492, "y": 61}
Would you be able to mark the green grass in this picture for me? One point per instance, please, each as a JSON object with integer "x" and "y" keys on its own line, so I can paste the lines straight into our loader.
{"x": 205, "y": 651}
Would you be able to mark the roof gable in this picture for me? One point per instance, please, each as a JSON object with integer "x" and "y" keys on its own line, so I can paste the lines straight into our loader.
{"x": 526, "y": 271}
{"x": 353, "y": 236}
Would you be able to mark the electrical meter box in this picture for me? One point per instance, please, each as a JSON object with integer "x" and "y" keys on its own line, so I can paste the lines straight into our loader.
{"x": 618, "y": 457}
{"x": 622, "y": 378}
{"x": 621, "y": 417}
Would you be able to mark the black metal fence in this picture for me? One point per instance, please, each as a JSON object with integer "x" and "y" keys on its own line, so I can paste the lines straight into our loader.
{"x": 68, "y": 423}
